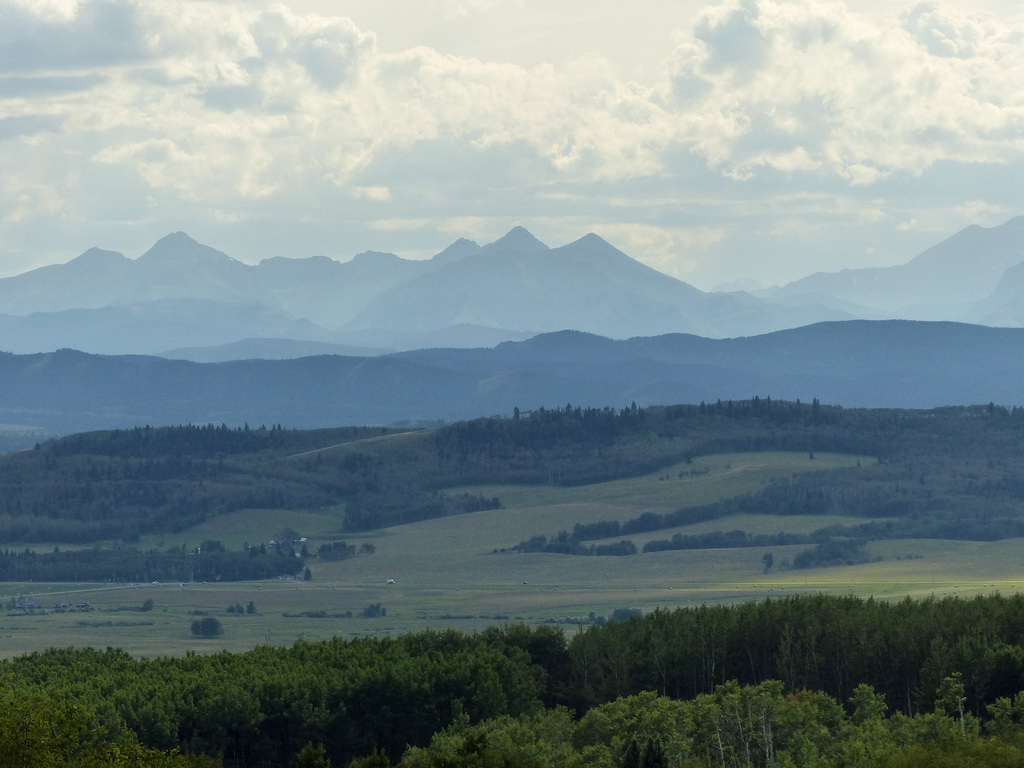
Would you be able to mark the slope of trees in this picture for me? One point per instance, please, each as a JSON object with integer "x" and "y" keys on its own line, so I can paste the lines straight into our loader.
{"x": 953, "y": 472}
{"x": 835, "y": 681}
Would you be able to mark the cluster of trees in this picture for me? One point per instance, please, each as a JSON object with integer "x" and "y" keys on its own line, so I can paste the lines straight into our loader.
{"x": 823, "y": 643}
{"x": 43, "y": 730}
{"x": 837, "y": 551}
{"x": 725, "y": 539}
{"x": 122, "y": 484}
{"x": 126, "y": 564}
{"x": 564, "y": 544}
{"x": 207, "y": 627}
{"x": 829, "y": 551}
{"x": 261, "y": 707}
{"x": 796, "y": 681}
{"x": 755, "y": 726}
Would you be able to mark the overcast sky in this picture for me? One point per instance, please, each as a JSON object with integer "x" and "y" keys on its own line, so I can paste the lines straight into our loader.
{"x": 762, "y": 139}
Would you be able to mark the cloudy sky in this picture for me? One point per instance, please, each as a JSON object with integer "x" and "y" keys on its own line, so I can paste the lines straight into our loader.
{"x": 761, "y": 139}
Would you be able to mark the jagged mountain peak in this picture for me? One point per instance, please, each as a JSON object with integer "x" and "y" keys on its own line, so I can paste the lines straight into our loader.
{"x": 457, "y": 251}
{"x": 985, "y": 243}
{"x": 517, "y": 239}
{"x": 97, "y": 257}
{"x": 594, "y": 245}
{"x": 178, "y": 246}
{"x": 591, "y": 240}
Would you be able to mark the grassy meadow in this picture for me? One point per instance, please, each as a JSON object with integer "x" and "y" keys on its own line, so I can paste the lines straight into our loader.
{"x": 452, "y": 572}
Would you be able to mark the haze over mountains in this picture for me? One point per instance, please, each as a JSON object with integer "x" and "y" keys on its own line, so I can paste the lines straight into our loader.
{"x": 858, "y": 363}
{"x": 191, "y": 301}
{"x": 974, "y": 276}
{"x": 181, "y": 294}
{"x": 310, "y": 342}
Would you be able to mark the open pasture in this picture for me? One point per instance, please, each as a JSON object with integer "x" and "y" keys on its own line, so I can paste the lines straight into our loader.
{"x": 451, "y": 572}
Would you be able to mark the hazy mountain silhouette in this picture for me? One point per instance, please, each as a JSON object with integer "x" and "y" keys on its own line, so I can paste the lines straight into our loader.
{"x": 182, "y": 295}
{"x": 520, "y": 284}
{"x": 331, "y": 293}
{"x": 361, "y": 344}
{"x": 1005, "y": 306}
{"x": 268, "y": 349}
{"x": 467, "y": 295}
{"x": 151, "y": 325}
{"x": 858, "y": 363}
{"x": 176, "y": 267}
{"x": 950, "y": 281}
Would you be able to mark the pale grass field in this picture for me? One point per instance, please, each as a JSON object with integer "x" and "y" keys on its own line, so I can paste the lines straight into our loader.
{"x": 449, "y": 574}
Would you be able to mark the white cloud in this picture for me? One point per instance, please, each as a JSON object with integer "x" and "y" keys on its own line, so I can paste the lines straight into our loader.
{"x": 672, "y": 250}
{"x": 22, "y": 198}
{"x": 460, "y": 8}
{"x": 380, "y": 193}
{"x": 800, "y": 86}
{"x": 50, "y": 10}
{"x": 979, "y": 210}
{"x": 232, "y": 112}
{"x": 871, "y": 215}
{"x": 943, "y": 34}
{"x": 330, "y": 49}
{"x": 471, "y": 227}
{"x": 57, "y": 35}
{"x": 811, "y": 81}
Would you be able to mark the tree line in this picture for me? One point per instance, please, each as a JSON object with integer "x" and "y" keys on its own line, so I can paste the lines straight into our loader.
{"x": 791, "y": 681}
{"x": 126, "y": 564}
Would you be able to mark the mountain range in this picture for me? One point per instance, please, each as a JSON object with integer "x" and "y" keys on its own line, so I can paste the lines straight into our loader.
{"x": 182, "y": 299}
{"x": 186, "y": 334}
{"x": 897, "y": 363}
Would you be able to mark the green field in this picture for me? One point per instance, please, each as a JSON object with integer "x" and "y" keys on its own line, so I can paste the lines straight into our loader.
{"x": 449, "y": 572}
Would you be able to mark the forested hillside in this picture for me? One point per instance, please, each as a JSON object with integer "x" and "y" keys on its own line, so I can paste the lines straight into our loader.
{"x": 954, "y": 473}
{"x": 805, "y": 681}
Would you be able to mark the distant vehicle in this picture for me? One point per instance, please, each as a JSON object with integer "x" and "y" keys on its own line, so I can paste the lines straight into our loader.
{"x": 390, "y": 581}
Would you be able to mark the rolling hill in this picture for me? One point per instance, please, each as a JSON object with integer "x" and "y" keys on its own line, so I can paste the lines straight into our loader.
{"x": 858, "y": 363}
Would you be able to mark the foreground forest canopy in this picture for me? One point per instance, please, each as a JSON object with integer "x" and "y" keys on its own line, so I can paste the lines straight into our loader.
{"x": 951, "y": 473}
{"x": 799, "y": 681}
